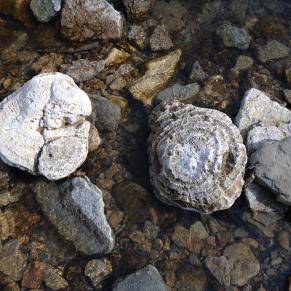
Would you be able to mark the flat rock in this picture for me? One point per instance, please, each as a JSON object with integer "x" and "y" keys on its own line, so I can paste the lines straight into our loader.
{"x": 273, "y": 50}
{"x": 90, "y": 19}
{"x": 219, "y": 268}
{"x": 160, "y": 39}
{"x": 43, "y": 126}
{"x": 158, "y": 73}
{"x": 76, "y": 209}
{"x": 138, "y": 9}
{"x": 45, "y": 10}
{"x": 272, "y": 164}
{"x": 146, "y": 279}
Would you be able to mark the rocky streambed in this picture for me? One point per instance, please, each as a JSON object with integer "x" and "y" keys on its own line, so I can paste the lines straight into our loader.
{"x": 145, "y": 145}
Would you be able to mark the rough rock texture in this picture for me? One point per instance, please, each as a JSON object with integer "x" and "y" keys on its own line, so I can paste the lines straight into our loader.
{"x": 45, "y": 10}
{"x": 272, "y": 163}
{"x": 32, "y": 277}
{"x": 158, "y": 73}
{"x": 242, "y": 63}
{"x": 197, "y": 157}
{"x": 233, "y": 36}
{"x": 43, "y": 127}
{"x": 260, "y": 119}
{"x": 138, "y": 9}
{"x": 242, "y": 263}
{"x": 197, "y": 73}
{"x": 76, "y": 209}
{"x": 53, "y": 278}
{"x": 138, "y": 35}
{"x": 219, "y": 268}
{"x": 146, "y": 279}
{"x": 160, "y": 39}
{"x": 287, "y": 94}
{"x": 272, "y": 50}
{"x": 90, "y": 19}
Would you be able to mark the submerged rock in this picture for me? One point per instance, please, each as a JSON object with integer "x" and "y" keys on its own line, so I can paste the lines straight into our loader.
{"x": 160, "y": 39}
{"x": 272, "y": 50}
{"x": 138, "y": 9}
{"x": 158, "y": 73}
{"x": 197, "y": 157}
{"x": 219, "y": 268}
{"x": 53, "y": 278}
{"x": 197, "y": 73}
{"x": 272, "y": 164}
{"x": 45, "y": 10}
{"x": 242, "y": 63}
{"x": 43, "y": 127}
{"x": 76, "y": 209}
{"x": 138, "y": 35}
{"x": 90, "y": 19}
{"x": 146, "y": 279}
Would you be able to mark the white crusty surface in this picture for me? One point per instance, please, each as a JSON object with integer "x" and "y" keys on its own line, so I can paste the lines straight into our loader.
{"x": 43, "y": 128}
{"x": 197, "y": 157}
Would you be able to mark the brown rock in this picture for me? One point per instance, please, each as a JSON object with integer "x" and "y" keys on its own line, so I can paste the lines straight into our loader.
{"x": 48, "y": 63}
{"x": 18, "y": 9}
{"x": 12, "y": 287}
{"x": 32, "y": 276}
{"x": 219, "y": 268}
{"x": 283, "y": 239}
{"x": 53, "y": 278}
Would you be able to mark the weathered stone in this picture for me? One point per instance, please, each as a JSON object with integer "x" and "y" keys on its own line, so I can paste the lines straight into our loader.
{"x": 116, "y": 57}
{"x": 32, "y": 276}
{"x": 191, "y": 278}
{"x": 43, "y": 127}
{"x": 138, "y": 35}
{"x": 45, "y": 10}
{"x": 219, "y": 268}
{"x": 178, "y": 92}
{"x": 197, "y": 73}
{"x": 12, "y": 259}
{"x": 198, "y": 230}
{"x": 272, "y": 164}
{"x": 76, "y": 209}
{"x": 90, "y": 19}
{"x": 138, "y": 9}
{"x": 287, "y": 94}
{"x": 243, "y": 63}
{"x": 53, "y": 278}
{"x": 145, "y": 279}
{"x": 98, "y": 270}
{"x": 242, "y": 262}
{"x": 48, "y": 63}
{"x": 160, "y": 39}
{"x": 4, "y": 227}
{"x": 288, "y": 75}
{"x": 233, "y": 36}
{"x": 272, "y": 50}
{"x": 158, "y": 73}
{"x": 197, "y": 157}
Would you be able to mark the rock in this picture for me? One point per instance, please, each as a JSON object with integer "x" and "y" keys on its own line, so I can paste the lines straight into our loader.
{"x": 12, "y": 259}
{"x": 98, "y": 270}
{"x": 287, "y": 94}
{"x": 243, "y": 63}
{"x": 116, "y": 57}
{"x": 48, "y": 63}
{"x": 197, "y": 157}
{"x": 197, "y": 73}
{"x": 198, "y": 230}
{"x": 43, "y": 127}
{"x": 158, "y": 73}
{"x": 191, "y": 278}
{"x": 160, "y": 39}
{"x": 76, "y": 209}
{"x": 233, "y": 36}
{"x": 16, "y": 8}
{"x": 107, "y": 113}
{"x": 146, "y": 279}
{"x": 94, "y": 139}
{"x": 45, "y": 10}
{"x": 13, "y": 286}
{"x": 242, "y": 262}
{"x": 272, "y": 164}
{"x": 283, "y": 239}
{"x": 178, "y": 92}
{"x": 90, "y": 19}
{"x": 219, "y": 268}
{"x": 53, "y": 278}
{"x": 138, "y": 35}
{"x": 138, "y": 9}
{"x": 288, "y": 76}
{"x": 4, "y": 227}
{"x": 33, "y": 274}
{"x": 273, "y": 50}
{"x": 258, "y": 110}
{"x": 83, "y": 70}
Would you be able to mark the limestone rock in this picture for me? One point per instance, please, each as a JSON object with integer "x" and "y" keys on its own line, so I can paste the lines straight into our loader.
{"x": 160, "y": 39}
{"x": 197, "y": 157}
{"x": 272, "y": 163}
{"x": 138, "y": 9}
{"x": 272, "y": 50}
{"x": 145, "y": 279}
{"x": 76, "y": 209}
{"x": 219, "y": 268}
{"x": 43, "y": 127}
{"x": 45, "y": 10}
{"x": 90, "y": 19}
{"x": 158, "y": 73}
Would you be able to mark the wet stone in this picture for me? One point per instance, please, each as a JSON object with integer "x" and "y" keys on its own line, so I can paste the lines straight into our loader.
{"x": 32, "y": 276}
{"x": 197, "y": 73}
{"x": 243, "y": 63}
{"x": 160, "y": 39}
{"x": 283, "y": 239}
{"x": 272, "y": 50}
{"x": 287, "y": 94}
{"x": 44, "y": 10}
{"x": 191, "y": 278}
{"x": 53, "y": 278}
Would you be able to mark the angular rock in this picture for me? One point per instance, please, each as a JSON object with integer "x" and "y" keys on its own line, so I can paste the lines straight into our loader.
{"x": 138, "y": 9}
{"x": 12, "y": 259}
{"x": 219, "y": 268}
{"x": 233, "y": 36}
{"x": 242, "y": 262}
{"x": 272, "y": 164}
{"x": 160, "y": 39}
{"x": 53, "y": 278}
{"x": 43, "y": 127}
{"x": 197, "y": 157}
{"x": 197, "y": 73}
{"x": 146, "y": 279}
{"x": 90, "y": 19}
{"x": 76, "y": 209}
{"x": 272, "y": 50}
{"x": 138, "y": 35}
{"x": 45, "y": 10}
{"x": 243, "y": 63}
{"x": 178, "y": 92}
{"x": 158, "y": 73}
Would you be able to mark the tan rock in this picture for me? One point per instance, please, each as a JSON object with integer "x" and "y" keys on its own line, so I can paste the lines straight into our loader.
{"x": 116, "y": 56}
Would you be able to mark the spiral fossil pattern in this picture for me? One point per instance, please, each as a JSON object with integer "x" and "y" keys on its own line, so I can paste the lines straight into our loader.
{"x": 197, "y": 157}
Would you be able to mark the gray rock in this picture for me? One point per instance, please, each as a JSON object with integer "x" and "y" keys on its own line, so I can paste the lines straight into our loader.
{"x": 138, "y": 35}
{"x": 45, "y": 10}
{"x": 219, "y": 268}
{"x": 76, "y": 209}
{"x": 106, "y": 113}
{"x": 53, "y": 278}
{"x": 138, "y": 9}
{"x": 243, "y": 63}
{"x": 160, "y": 39}
{"x": 273, "y": 50}
{"x": 178, "y": 92}
{"x": 197, "y": 73}
{"x": 272, "y": 163}
{"x": 233, "y": 36}
{"x": 146, "y": 279}
{"x": 288, "y": 75}
{"x": 287, "y": 94}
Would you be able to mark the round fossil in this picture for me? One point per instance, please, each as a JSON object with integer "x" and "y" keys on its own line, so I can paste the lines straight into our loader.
{"x": 197, "y": 157}
{"x": 43, "y": 128}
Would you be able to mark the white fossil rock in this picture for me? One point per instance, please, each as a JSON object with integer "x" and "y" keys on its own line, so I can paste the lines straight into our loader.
{"x": 197, "y": 157}
{"x": 43, "y": 127}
